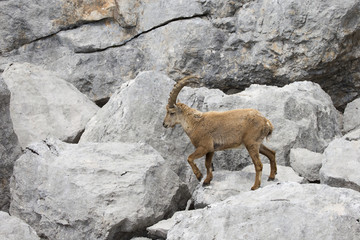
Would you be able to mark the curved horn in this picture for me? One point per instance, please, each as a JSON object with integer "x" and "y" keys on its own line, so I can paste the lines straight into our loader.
{"x": 177, "y": 88}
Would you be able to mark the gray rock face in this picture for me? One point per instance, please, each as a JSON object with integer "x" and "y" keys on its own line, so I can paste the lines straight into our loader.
{"x": 302, "y": 113}
{"x": 93, "y": 190}
{"x": 133, "y": 19}
{"x": 340, "y": 167}
{"x": 32, "y": 20}
{"x": 9, "y": 146}
{"x": 12, "y": 228}
{"x": 296, "y": 40}
{"x": 231, "y": 44}
{"x": 351, "y": 116}
{"x": 43, "y": 104}
{"x": 306, "y": 163}
{"x": 288, "y": 211}
{"x": 230, "y": 183}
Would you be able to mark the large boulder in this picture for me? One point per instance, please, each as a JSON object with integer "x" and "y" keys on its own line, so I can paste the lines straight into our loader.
{"x": 43, "y": 104}
{"x": 284, "y": 211}
{"x": 341, "y": 163}
{"x": 229, "y": 183}
{"x": 302, "y": 113}
{"x": 306, "y": 163}
{"x": 351, "y": 116}
{"x": 93, "y": 190}
{"x": 135, "y": 114}
{"x": 9, "y": 146}
{"x": 12, "y": 228}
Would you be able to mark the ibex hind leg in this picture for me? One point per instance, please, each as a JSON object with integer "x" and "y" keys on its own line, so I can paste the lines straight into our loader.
{"x": 253, "y": 150}
{"x": 270, "y": 154}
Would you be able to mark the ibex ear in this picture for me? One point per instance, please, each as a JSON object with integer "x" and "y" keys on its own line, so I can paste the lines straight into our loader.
{"x": 178, "y": 109}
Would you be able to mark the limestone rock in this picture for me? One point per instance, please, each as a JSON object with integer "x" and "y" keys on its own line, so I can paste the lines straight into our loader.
{"x": 12, "y": 228}
{"x": 351, "y": 116}
{"x": 9, "y": 146}
{"x": 288, "y": 211}
{"x": 93, "y": 190}
{"x": 306, "y": 163}
{"x": 340, "y": 167}
{"x": 230, "y": 183}
{"x": 43, "y": 104}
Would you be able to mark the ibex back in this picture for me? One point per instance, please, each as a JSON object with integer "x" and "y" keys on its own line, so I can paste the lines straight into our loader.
{"x": 215, "y": 131}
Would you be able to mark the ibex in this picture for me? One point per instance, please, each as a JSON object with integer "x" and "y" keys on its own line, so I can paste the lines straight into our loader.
{"x": 216, "y": 131}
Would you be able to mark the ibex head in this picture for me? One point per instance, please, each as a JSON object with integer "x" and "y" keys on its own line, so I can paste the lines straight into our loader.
{"x": 172, "y": 111}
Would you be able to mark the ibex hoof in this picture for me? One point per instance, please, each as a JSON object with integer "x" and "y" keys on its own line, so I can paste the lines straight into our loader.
{"x": 206, "y": 184}
{"x": 199, "y": 177}
{"x": 271, "y": 179}
{"x": 254, "y": 187}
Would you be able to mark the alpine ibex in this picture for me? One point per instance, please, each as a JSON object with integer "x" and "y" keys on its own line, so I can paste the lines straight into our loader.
{"x": 216, "y": 131}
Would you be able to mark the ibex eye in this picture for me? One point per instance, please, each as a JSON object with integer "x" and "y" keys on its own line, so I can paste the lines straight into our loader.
{"x": 172, "y": 114}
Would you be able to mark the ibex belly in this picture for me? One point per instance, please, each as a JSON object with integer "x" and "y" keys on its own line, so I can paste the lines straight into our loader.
{"x": 222, "y": 144}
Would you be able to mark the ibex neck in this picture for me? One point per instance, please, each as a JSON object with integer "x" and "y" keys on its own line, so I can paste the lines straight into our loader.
{"x": 190, "y": 118}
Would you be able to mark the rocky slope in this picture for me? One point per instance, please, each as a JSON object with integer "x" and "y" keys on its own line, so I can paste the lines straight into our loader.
{"x": 78, "y": 171}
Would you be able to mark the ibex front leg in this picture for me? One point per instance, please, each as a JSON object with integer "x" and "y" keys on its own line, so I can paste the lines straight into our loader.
{"x": 199, "y": 152}
{"x": 208, "y": 166}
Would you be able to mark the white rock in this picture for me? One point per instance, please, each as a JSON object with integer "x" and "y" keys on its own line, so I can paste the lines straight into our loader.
{"x": 284, "y": 211}
{"x": 341, "y": 164}
{"x": 351, "y": 115}
{"x": 93, "y": 190}
{"x": 12, "y": 228}
{"x": 306, "y": 163}
{"x": 42, "y": 104}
